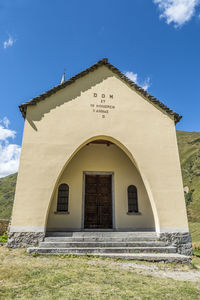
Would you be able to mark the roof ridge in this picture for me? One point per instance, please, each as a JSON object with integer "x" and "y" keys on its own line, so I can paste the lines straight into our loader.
{"x": 103, "y": 61}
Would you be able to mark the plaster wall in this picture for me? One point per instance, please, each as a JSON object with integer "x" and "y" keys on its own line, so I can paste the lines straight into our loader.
{"x": 56, "y": 128}
{"x": 101, "y": 158}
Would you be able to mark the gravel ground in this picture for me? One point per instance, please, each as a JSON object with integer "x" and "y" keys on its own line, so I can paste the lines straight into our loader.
{"x": 178, "y": 272}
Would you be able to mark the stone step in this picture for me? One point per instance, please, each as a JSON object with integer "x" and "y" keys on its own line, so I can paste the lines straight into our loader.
{"x": 99, "y": 239}
{"x": 96, "y": 244}
{"x": 95, "y": 250}
{"x": 151, "y": 257}
{"x": 103, "y": 234}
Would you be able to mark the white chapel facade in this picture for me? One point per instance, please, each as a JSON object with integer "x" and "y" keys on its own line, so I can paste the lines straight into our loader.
{"x": 98, "y": 153}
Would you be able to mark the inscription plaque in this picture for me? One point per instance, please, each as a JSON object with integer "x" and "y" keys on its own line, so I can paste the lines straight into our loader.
{"x": 102, "y": 104}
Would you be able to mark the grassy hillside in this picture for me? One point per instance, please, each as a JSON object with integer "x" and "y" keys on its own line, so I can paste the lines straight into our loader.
{"x": 7, "y": 191}
{"x": 189, "y": 148}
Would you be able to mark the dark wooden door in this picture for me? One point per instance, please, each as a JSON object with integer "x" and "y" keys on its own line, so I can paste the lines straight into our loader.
{"x": 98, "y": 201}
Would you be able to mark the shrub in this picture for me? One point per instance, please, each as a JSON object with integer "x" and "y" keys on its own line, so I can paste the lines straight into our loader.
{"x": 4, "y": 238}
{"x": 196, "y": 249}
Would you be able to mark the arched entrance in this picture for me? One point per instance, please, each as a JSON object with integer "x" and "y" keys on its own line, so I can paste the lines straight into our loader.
{"x": 98, "y": 176}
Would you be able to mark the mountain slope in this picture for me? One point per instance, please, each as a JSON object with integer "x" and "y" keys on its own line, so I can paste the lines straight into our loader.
{"x": 7, "y": 191}
{"x": 189, "y": 149}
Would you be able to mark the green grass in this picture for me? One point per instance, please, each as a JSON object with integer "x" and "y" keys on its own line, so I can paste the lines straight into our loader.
{"x": 195, "y": 231}
{"x": 196, "y": 262}
{"x": 27, "y": 277}
{"x": 196, "y": 252}
{"x": 3, "y": 238}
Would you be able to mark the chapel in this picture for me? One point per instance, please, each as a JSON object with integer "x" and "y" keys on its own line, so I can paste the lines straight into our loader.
{"x": 99, "y": 158}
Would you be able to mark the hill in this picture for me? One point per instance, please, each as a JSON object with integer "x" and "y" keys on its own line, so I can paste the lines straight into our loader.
{"x": 7, "y": 191}
{"x": 189, "y": 149}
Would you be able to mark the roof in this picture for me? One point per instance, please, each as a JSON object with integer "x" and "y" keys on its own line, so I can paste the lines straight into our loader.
{"x": 102, "y": 62}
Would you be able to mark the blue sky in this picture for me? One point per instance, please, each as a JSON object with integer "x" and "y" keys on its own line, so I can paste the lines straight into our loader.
{"x": 155, "y": 42}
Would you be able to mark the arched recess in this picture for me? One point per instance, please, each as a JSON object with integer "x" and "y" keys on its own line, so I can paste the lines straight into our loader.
{"x": 133, "y": 160}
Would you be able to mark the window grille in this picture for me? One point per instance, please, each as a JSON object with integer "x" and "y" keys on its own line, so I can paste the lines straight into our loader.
{"x": 63, "y": 197}
{"x": 132, "y": 199}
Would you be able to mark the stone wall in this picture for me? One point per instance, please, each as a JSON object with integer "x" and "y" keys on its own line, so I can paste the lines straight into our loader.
{"x": 4, "y": 226}
{"x": 24, "y": 239}
{"x": 181, "y": 240}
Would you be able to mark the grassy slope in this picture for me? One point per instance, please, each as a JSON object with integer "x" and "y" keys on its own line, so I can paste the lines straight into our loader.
{"x": 189, "y": 148}
{"x": 57, "y": 277}
{"x": 7, "y": 191}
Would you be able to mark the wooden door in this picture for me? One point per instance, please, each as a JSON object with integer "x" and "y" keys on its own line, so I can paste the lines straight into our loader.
{"x": 98, "y": 201}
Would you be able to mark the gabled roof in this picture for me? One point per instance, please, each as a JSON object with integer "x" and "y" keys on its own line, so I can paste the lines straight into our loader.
{"x": 102, "y": 62}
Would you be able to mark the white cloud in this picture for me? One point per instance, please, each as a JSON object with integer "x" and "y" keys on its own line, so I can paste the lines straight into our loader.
{"x": 9, "y": 153}
{"x": 6, "y": 133}
{"x": 8, "y": 43}
{"x": 9, "y": 159}
{"x": 177, "y": 11}
{"x": 5, "y": 122}
{"x": 146, "y": 84}
{"x": 134, "y": 77}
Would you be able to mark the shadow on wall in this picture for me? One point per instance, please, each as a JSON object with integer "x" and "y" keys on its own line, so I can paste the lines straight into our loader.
{"x": 74, "y": 90}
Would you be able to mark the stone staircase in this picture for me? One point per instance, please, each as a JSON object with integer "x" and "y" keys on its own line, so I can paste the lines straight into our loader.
{"x": 125, "y": 245}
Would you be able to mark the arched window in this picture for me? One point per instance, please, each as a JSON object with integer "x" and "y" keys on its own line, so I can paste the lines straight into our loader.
{"x": 132, "y": 199}
{"x": 63, "y": 196}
